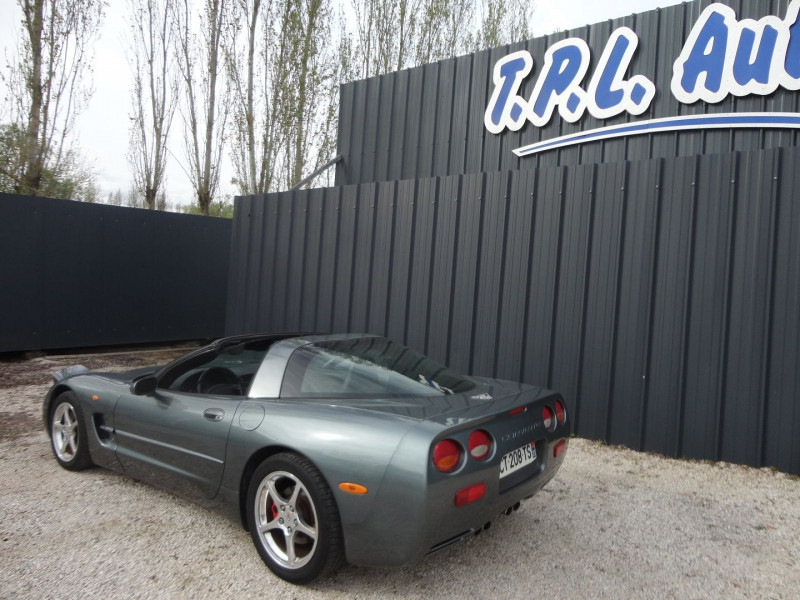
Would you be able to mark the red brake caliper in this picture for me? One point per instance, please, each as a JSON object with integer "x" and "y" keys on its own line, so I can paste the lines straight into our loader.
{"x": 274, "y": 511}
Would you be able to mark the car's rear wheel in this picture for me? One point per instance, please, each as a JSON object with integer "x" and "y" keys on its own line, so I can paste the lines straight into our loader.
{"x": 68, "y": 433}
{"x": 293, "y": 519}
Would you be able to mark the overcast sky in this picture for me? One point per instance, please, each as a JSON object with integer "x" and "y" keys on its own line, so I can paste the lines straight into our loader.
{"x": 102, "y": 130}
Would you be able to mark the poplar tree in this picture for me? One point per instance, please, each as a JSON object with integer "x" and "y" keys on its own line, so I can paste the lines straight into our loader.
{"x": 154, "y": 96}
{"x": 205, "y": 104}
{"x": 47, "y": 84}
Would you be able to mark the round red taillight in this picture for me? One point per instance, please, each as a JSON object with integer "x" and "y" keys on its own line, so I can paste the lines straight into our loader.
{"x": 561, "y": 414}
{"x": 547, "y": 417}
{"x": 446, "y": 455}
{"x": 479, "y": 444}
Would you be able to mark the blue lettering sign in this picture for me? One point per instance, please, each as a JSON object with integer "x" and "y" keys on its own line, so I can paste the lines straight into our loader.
{"x": 609, "y": 93}
{"x": 724, "y": 56}
{"x": 757, "y": 69}
{"x": 791, "y": 64}
{"x": 565, "y": 65}
{"x": 506, "y": 109}
{"x": 705, "y": 61}
{"x": 560, "y": 85}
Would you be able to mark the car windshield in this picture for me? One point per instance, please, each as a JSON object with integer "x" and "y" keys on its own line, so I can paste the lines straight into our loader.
{"x": 374, "y": 367}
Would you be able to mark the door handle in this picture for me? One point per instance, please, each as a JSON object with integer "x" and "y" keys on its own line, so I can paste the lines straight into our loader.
{"x": 214, "y": 414}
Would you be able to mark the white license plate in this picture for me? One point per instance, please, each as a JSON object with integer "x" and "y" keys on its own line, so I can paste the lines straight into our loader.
{"x": 517, "y": 459}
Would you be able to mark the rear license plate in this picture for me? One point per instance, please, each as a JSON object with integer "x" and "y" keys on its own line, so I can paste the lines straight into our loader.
{"x": 517, "y": 459}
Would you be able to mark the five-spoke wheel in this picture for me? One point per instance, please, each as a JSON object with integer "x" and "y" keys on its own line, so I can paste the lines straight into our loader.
{"x": 286, "y": 519}
{"x": 293, "y": 519}
{"x": 68, "y": 433}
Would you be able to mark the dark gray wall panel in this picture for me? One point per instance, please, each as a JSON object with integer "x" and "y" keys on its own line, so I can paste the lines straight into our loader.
{"x": 443, "y": 267}
{"x": 77, "y": 275}
{"x": 491, "y": 260}
{"x": 669, "y": 307}
{"x": 513, "y": 314}
{"x": 572, "y": 282}
{"x": 384, "y": 128}
{"x": 598, "y": 345}
{"x": 466, "y": 277}
{"x": 345, "y": 258}
{"x": 403, "y": 248}
{"x": 707, "y": 305}
{"x": 781, "y": 442}
{"x": 314, "y": 219}
{"x": 749, "y": 315}
{"x": 328, "y": 262}
{"x": 545, "y": 265}
{"x": 363, "y": 253}
{"x": 382, "y": 259}
{"x": 421, "y": 263}
{"x": 629, "y": 375}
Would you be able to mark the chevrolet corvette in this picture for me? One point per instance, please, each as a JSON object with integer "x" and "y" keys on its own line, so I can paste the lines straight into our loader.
{"x": 327, "y": 448}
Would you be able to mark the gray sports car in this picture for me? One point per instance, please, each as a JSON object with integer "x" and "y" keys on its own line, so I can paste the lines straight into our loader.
{"x": 327, "y": 448}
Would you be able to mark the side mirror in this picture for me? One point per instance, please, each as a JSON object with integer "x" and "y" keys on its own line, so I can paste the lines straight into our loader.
{"x": 144, "y": 386}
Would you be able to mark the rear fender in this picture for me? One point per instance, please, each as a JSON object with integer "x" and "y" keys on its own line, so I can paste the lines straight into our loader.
{"x": 347, "y": 446}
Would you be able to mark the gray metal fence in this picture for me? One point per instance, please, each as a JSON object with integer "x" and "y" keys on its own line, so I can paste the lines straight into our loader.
{"x": 661, "y": 297}
{"x": 75, "y": 274}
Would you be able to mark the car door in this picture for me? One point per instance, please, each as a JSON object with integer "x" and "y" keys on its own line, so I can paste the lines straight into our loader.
{"x": 175, "y": 439}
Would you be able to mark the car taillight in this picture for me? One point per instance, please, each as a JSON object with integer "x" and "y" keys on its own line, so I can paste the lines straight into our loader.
{"x": 479, "y": 444}
{"x": 446, "y": 455}
{"x": 469, "y": 494}
{"x": 547, "y": 417}
{"x": 560, "y": 446}
{"x": 561, "y": 414}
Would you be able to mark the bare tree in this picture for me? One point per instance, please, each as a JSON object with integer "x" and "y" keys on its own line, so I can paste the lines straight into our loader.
{"x": 396, "y": 34}
{"x": 503, "y": 22}
{"x": 48, "y": 84}
{"x": 205, "y": 105}
{"x": 313, "y": 66}
{"x": 154, "y": 94}
{"x": 444, "y": 27}
{"x": 281, "y": 66}
{"x": 256, "y": 72}
{"x": 386, "y": 32}
{"x": 242, "y": 74}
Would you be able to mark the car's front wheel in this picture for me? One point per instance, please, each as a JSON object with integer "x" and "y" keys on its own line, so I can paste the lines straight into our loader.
{"x": 68, "y": 433}
{"x": 293, "y": 519}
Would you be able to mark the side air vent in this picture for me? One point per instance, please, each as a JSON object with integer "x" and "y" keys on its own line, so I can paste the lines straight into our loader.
{"x": 104, "y": 432}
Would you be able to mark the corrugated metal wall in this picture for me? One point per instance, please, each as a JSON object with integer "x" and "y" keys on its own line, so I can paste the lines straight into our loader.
{"x": 428, "y": 121}
{"x": 74, "y": 274}
{"x": 661, "y": 297}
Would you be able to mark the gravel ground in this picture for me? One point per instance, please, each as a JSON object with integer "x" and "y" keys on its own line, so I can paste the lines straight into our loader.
{"x": 612, "y": 524}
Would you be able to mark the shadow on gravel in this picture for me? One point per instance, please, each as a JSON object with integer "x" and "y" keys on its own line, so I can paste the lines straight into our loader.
{"x": 17, "y": 419}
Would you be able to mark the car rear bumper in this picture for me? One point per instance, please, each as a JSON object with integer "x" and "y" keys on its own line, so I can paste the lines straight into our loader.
{"x": 405, "y": 527}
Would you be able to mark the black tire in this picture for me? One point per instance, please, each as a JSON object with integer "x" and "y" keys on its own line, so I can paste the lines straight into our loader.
{"x": 296, "y": 531}
{"x": 67, "y": 429}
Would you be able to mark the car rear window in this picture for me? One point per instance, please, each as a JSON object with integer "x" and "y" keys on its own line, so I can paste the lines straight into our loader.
{"x": 367, "y": 367}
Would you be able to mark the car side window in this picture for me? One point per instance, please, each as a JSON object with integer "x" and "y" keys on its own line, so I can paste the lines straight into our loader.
{"x": 228, "y": 372}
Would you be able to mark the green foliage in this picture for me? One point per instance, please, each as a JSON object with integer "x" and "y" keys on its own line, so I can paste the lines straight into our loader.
{"x": 392, "y": 35}
{"x": 46, "y": 86}
{"x": 70, "y": 179}
{"x": 222, "y": 209}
